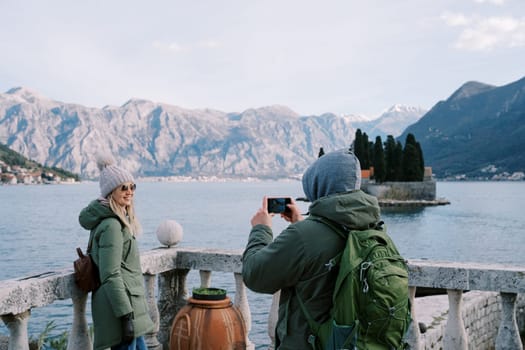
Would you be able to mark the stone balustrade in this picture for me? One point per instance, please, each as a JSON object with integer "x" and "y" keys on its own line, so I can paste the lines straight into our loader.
{"x": 166, "y": 270}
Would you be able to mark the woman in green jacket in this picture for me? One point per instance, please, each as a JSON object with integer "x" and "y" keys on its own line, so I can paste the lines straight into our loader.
{"x": 298, "y": 260}
{"x": 118, "y": 306}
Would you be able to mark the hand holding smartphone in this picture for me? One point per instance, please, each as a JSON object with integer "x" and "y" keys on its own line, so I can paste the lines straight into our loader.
{"x": 278, "y": 205}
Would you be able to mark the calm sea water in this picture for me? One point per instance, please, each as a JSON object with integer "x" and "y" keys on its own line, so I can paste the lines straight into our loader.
{"x": 39, "y": 228}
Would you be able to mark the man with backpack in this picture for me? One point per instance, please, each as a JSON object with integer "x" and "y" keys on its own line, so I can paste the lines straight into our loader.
{"x": 303, "y": 261}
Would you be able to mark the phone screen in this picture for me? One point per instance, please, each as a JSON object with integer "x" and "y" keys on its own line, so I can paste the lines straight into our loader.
{"x": 278, "y": 204}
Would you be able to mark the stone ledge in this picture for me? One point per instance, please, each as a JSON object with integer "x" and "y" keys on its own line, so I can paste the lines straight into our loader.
{"x": 480, "y": 313}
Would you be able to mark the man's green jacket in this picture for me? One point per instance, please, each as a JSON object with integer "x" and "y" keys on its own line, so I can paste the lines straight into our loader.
{"x": 298, "y": 261}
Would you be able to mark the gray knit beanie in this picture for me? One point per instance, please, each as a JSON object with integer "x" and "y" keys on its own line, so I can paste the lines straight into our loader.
{"x": 334, "y": 172}
{"x": 111, "y": 176}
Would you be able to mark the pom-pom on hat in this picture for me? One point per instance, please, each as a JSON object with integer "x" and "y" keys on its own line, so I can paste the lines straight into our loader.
{"x": 111, "y": 176}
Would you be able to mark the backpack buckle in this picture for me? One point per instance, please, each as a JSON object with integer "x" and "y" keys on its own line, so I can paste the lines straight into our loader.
{"x": 364, "y": 266}
{"x": 330, "y": 264}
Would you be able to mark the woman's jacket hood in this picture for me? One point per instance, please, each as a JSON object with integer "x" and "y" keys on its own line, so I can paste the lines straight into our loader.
{"x": 94, "y": 213}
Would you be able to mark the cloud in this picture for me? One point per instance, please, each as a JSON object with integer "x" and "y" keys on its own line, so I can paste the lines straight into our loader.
{"x": 495, "y": 2}
{"x": 172, "y": 47}
{"x": 486, "y": 34}
{"x": 176, "y": 48}
{"x": 209, "y": 44}
{"x": 455, "y": 19}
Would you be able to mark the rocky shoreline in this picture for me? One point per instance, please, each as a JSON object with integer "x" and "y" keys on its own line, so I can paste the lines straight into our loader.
{"x": 412, "y": 202}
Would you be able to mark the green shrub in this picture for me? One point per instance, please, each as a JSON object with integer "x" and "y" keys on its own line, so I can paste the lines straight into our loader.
{"x": 46, "y": 341}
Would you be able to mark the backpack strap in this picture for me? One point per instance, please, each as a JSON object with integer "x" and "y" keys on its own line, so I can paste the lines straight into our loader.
{"x": 314, "y": 326}
{"x": 90, "y": 242}
{"x": 341, "y": 230}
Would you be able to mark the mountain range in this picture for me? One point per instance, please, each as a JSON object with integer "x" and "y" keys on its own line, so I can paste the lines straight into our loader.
{"x": 157, "y": 139}
{"x": 478, "y": 130}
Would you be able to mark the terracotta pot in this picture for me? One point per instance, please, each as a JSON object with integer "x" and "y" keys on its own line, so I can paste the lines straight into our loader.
{"x": 208, "y": 325}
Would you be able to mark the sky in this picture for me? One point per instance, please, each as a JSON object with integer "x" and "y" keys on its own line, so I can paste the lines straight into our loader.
{"x": 338, "y": 56}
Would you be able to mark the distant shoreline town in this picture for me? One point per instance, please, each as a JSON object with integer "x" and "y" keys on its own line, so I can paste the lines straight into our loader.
{"x": 15, "y": 175}
{"x": 491, "y": 176}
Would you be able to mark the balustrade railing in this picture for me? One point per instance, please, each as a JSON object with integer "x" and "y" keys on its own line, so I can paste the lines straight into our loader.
{"x": 165, "y": 274}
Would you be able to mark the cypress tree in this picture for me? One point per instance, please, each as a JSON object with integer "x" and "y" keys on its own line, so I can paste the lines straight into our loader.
{"x": 398, "y": 162}
{"x": 412, "y": 169}
{"x": 379, "y": 161}
{"x": 390, "y": 160}
{"x": 421, "y": 161}
{"x": 358, "y": 147}
{"x": 365, "y": 164}
{"x": 371, "y": 154}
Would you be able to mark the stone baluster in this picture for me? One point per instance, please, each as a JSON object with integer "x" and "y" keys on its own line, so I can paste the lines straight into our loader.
{"x": 205, "y": 278}
{"x": 172, "y": 297}
{"x": 273, "y": 316}
{"x": 455, "y": 337}
{"x": 151, "y": 338}
{"x": 241, "y": 302}
{"x": 508, "y": 332}
{"x": 413, "y": 334}
{"x": 17, "y": 325}
{"x": 79, "y": 338}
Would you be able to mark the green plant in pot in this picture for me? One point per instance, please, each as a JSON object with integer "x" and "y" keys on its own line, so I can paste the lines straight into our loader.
{"x": 209, "y": 293}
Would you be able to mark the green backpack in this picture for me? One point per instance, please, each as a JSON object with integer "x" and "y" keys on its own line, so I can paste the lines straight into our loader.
{"x": 371, "y": 307}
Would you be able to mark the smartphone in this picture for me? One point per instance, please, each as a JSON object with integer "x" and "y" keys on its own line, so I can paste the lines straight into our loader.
{"x": 278, "y": 204}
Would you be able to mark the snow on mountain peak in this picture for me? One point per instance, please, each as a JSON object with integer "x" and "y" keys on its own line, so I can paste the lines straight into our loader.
{"x": 399, "y": 108}
{"x": 26, "y": 94}
{"x": 356, "y": 117}
{"x": 165, "y": 140}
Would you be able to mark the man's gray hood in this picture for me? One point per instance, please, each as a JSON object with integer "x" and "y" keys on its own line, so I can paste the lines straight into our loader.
{"x": 334, "y": 172}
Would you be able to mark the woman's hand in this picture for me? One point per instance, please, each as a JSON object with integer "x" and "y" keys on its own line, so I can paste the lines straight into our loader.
{"x": 128, "y": 331}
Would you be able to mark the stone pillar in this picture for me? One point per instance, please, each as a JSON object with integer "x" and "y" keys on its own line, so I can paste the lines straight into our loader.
{"x": 205, "y": 278}
{"x": 273, "y": 317}
{"x": 17, "y": 325}
{"x": 413, "y": 334}
{"x": 172, "y": 297}
{"x": 151, "y": 338}
{"x": 455, "y": 337}
{"x": 508, "y": 333}
{"x": 241, "y": 302}
{"x": 79, "y": 338}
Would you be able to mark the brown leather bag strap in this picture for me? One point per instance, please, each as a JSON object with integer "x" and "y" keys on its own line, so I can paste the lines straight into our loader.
{"x": 90, "y": 242}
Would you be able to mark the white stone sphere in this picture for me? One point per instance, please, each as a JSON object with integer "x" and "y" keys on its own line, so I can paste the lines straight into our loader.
{"x": 169, "y": 232}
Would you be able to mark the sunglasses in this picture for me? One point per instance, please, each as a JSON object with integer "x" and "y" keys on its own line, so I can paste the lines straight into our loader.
{"x": 132, "y": 187}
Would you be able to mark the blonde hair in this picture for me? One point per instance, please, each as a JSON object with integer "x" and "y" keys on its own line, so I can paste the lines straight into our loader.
{"x": 126, "y": 215}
